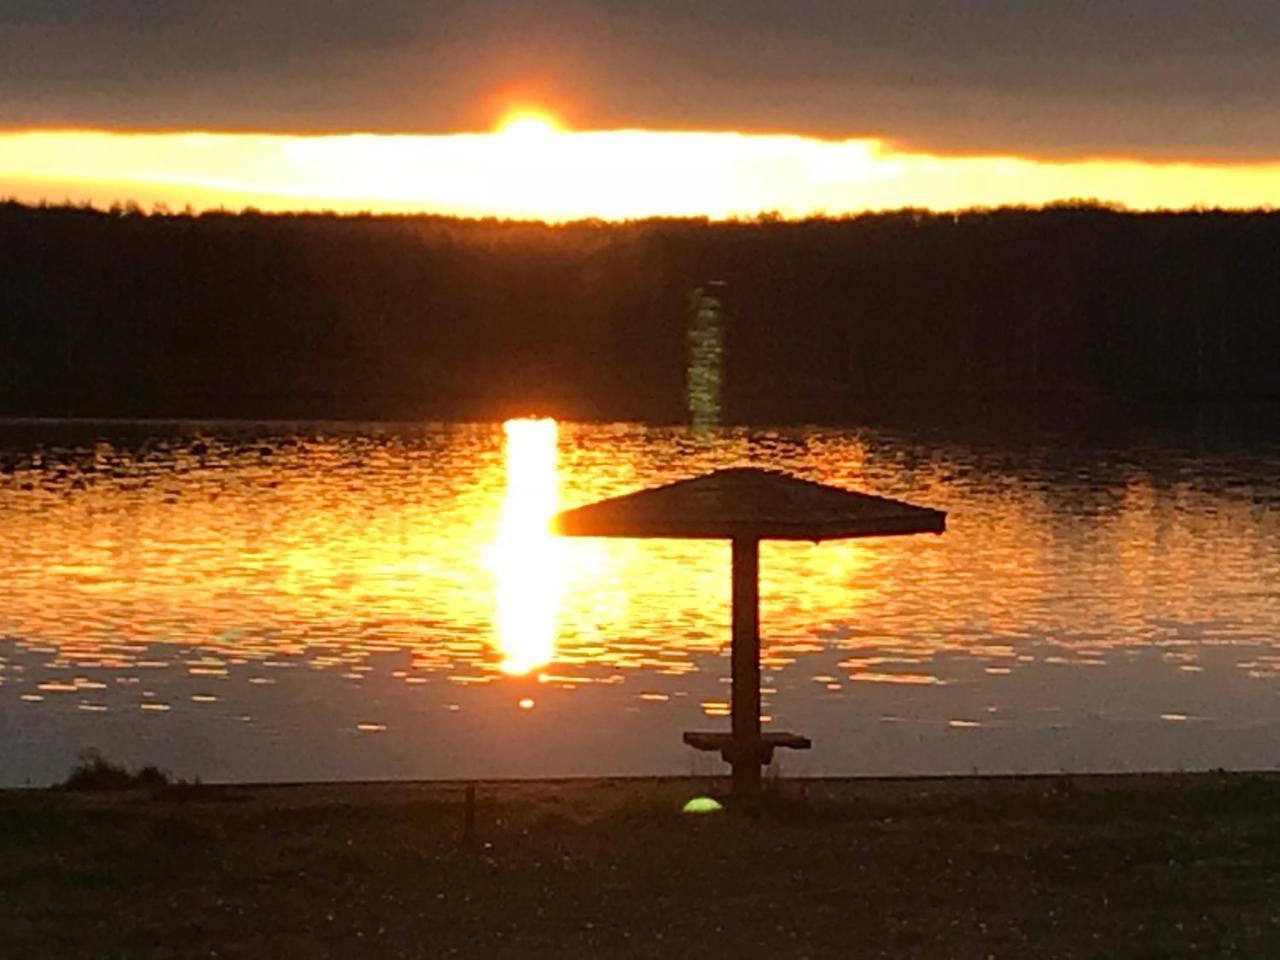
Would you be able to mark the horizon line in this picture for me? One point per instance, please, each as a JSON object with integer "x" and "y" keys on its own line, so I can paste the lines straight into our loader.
{"x": 132, "y": 208}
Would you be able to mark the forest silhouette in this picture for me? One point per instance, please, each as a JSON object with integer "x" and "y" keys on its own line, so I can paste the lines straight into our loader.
{"x": 133, "y": 314}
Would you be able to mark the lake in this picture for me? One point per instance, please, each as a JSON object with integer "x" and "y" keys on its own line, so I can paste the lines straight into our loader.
{"x": 343, "y": 601}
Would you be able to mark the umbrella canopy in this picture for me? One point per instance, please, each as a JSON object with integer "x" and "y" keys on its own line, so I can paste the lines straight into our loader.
{"x": 746, "y": 503}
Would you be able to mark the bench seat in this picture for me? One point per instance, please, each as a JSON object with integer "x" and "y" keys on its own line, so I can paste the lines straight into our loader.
{"x": 731, "y": 750}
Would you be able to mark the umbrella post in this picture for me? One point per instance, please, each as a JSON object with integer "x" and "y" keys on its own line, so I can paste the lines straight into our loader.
{"x": 746, "y": 754}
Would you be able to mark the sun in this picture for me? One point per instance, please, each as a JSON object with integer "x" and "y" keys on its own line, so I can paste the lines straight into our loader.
{"x": 529, "y": 125}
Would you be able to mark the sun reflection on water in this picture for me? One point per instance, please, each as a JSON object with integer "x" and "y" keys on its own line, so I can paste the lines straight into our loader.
{"x": 525, "y": 558}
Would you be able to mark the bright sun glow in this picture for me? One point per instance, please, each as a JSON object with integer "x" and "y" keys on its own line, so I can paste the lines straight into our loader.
{"x": 529, "y": 125}
{"x": 526, "y": 557}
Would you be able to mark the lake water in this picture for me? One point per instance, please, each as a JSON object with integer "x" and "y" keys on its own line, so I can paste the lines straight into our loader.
{"x": 268, "y": 602}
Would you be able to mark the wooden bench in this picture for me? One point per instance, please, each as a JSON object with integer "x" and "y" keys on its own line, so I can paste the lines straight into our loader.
{"x": 733, "y": 751}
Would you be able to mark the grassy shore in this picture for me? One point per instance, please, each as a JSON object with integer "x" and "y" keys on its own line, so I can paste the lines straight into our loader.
{"x": 1115, "y": 866}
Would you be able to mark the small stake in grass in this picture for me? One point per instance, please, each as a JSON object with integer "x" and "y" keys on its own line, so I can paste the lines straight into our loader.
{"x": 469, "y": 815}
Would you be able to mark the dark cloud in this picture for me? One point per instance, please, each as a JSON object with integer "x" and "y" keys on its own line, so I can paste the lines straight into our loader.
{"x": 1146, "y": 77}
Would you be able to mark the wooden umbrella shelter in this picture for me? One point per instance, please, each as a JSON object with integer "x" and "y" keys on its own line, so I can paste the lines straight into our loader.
{"x": 746, "y": 505}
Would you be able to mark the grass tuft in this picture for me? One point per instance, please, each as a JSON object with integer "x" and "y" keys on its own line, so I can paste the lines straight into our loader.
{"x": 93, "y": 771}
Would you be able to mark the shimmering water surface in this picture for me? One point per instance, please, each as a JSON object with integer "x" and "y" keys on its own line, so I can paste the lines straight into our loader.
{"x": 279, "y": 602}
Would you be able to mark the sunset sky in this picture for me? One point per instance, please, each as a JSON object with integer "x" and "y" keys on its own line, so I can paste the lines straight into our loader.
{"x": 727, "y": 108}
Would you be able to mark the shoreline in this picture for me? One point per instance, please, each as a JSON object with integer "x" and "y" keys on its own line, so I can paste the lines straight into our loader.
{"x": 716, "y": 783}
{"x": 640, "y": 779}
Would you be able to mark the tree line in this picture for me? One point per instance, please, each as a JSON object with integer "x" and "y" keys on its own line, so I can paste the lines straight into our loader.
{"x": 127, "y": 313}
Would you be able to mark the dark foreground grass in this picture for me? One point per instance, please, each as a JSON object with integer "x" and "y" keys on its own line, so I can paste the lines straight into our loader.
{"x": 1141, "y": 866}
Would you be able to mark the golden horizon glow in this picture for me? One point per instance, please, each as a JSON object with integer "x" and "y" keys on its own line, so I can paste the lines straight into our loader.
{"x": 533, "y": 168}
{"x": 526, "y": 558}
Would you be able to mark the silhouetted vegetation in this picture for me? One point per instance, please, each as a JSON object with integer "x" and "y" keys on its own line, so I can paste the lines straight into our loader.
{"x": 93, "y": 771}
{"x": 124, "y": 313}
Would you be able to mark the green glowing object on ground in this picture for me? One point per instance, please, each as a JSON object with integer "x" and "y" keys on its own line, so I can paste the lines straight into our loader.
{"x": 703, "y": 805}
